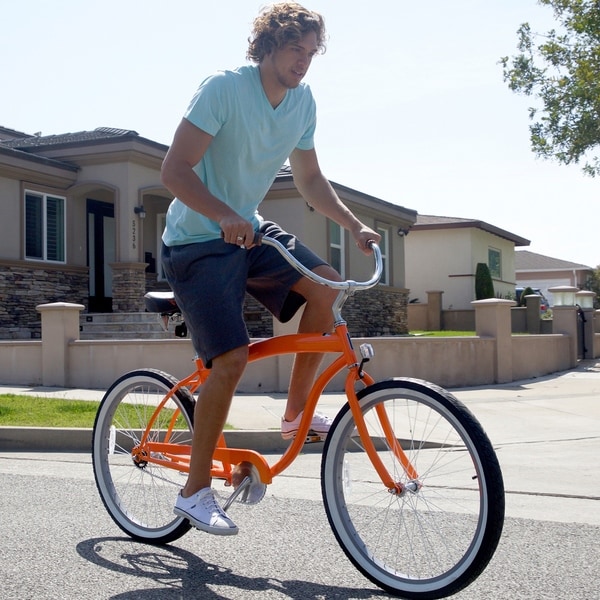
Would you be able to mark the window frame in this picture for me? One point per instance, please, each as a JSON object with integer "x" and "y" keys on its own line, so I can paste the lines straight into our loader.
{"x": 341, "y": 247}
{"x": 495, "y": 274}
{"x": 60, "y": 240}
{"x": 384, "y": 232}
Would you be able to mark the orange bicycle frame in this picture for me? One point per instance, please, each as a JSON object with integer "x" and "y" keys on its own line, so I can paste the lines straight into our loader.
{"x": 176, "y": 456}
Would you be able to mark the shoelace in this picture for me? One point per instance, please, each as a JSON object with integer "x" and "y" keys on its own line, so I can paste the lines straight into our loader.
{"x": 210, "y": 503}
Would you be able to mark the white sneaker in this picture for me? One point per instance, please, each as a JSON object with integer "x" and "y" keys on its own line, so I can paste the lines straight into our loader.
{"x": 319, "y": 425}
{"x": 204, "y": 513}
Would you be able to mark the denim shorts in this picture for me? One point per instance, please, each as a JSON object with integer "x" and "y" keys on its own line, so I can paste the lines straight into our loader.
{"x": 209, "y": 281}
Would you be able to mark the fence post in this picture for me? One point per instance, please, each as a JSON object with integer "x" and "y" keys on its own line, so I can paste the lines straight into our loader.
{"x": 434, "y": 311}
{"x": 564, "y": 317}
{"x": 492, "y": 319}
{"x": 533, "y": 303}
{"x": 60, "y": 326}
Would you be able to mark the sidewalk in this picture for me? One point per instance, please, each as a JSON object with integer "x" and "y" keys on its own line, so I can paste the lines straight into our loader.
{"x": 546, "y": 433}
{"x": 563, "y": 405}
{"x": 552, "y": 421}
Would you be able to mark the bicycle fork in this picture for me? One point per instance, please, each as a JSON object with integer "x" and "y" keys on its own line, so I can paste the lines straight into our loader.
{"x": 394, "y": 486}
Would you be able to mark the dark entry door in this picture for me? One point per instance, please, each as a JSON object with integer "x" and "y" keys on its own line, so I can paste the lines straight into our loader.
{"x": 100, "y": 252}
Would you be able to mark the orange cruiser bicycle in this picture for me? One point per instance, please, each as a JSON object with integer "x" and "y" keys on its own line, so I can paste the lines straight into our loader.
{"x": 411, "y": 484}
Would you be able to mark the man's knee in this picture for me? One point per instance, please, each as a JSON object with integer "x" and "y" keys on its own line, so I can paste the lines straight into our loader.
{"x": 231, "y": 364}
{"x": 315, "y": 293}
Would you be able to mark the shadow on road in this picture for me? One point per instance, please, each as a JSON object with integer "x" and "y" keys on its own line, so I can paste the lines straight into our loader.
{"x": 181, "y": 574}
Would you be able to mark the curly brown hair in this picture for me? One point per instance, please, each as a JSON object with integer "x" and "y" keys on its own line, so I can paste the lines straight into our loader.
{"x": 280, "y": 24}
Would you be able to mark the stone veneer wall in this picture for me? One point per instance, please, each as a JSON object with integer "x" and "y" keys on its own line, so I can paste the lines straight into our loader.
{"x": 376, "y": 312}
{"x": 129, "y": 287}
{"x": 22, "y": 288}
{"x": 259, "y": 321}
{"x": 379, "y": 311}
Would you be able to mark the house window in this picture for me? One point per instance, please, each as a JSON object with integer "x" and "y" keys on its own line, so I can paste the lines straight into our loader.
{"x": 336, "y": 248}
{"x": 44, "y": 227}
{"x": 384, "y": 246}
{"x": 495, "y": 263}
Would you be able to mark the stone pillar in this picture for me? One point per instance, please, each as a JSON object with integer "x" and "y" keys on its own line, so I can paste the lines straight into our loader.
{"x": 492, "y": 319}
{"x": 564, "y": 317}
{"x": 128, "y": 287}
{"x": 60, "y": 326}
{"x": 434, "y": 311}
{"x": 564, "y": 322}
{"x": 533, "y": 303}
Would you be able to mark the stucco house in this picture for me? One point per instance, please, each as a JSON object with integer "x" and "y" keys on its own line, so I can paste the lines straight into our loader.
{"x": 544, "y": 272}
{"x": 442, "y": 254}
{"x": 82, "y": 216}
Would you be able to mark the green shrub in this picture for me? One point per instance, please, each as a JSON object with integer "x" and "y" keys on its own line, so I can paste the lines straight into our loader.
{"x": 484, "y": 286}
{"x": 526, "y": 292}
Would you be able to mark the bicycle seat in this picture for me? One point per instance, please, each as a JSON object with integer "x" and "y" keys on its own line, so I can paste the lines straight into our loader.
{"x": 161, "y": 302}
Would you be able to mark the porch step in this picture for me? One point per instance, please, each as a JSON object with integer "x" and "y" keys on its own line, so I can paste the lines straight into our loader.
{"x": 123, "y": 326}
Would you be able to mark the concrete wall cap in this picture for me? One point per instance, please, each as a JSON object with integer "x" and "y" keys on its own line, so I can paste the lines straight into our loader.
{"x": 493, "y": 302}
{"x": 59, "y": 306}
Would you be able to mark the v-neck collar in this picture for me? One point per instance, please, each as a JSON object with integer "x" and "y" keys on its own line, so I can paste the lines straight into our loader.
{"x": 264, "y": 93}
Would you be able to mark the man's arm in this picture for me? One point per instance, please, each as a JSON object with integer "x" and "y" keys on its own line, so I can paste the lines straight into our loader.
{"x": 318, "y": 192}
{"x": 177, "y": 175}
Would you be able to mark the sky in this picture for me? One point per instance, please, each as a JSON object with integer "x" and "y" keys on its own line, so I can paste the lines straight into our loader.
{"x": 412, "y": 106}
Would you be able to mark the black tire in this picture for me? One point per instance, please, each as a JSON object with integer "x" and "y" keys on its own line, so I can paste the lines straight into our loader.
{"x": 140, "y": 496}
{"x": 437, "y": 535}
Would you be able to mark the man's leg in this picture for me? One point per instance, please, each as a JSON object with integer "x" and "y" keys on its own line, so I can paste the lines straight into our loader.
{"x": 212, "y": 408}
{"x": 317, "y": 318}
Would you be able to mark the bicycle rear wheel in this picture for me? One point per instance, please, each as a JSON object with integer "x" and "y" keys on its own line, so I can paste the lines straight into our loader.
{"x": 438, "y": 531}
{"x": 140, "y": 495}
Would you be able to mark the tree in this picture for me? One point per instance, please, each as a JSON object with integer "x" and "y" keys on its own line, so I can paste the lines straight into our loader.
{"x": 593, "y": 284}
{"x": 562, "y": 70}
{"x": 526, "y": 292}
{"x": 484, "y": 286}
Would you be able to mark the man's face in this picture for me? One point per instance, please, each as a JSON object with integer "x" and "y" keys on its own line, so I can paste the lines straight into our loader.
{"x": 290, "y": 63}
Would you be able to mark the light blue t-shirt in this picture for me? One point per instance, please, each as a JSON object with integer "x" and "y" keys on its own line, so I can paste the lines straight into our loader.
{"x": 251, "y": 142}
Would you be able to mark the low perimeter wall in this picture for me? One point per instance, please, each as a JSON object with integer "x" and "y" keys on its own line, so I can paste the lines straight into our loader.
{"x": 494, "y": 355}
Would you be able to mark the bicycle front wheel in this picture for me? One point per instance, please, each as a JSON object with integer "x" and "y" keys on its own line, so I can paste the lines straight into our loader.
{"x": 437, "y": 530}
{"x": 139, "y": 495}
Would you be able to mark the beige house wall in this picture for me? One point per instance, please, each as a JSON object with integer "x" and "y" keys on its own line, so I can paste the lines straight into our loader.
{"x": 292, "y": 213}
{"x": 504, "y": 286}
{"x": 10, "y": 240}
{"x": 446, "y": 260}
{"x": 124, "y": 172}
{"x": 127, "y": 179}
{"x": 447, "y": 267}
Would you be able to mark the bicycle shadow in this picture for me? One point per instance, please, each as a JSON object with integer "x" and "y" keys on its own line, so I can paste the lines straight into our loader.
{"x": 181, "y": 574}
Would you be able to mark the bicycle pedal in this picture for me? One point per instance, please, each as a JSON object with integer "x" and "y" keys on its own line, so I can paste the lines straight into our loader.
{"x": 248, "y": 488}
{"x": 313, "y": 438}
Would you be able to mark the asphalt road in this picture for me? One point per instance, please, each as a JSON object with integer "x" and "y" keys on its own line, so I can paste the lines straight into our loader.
{"x": 58, "y": 542}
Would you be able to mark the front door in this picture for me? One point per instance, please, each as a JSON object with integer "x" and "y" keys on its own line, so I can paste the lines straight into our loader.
{"x": 100, "y": 253}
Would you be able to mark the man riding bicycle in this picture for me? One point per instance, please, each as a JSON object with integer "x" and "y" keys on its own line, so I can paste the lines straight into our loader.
{"x": 240, "y": 128}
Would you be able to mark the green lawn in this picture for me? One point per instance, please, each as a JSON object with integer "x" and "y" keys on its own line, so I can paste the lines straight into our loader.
{"x": 32, "y": 411}
{"x": 443, "y": 333}
{"x": 35, "y": 411}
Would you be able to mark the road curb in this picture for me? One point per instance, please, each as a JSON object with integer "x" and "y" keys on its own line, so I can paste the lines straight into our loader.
{"x": 50, "y": 439}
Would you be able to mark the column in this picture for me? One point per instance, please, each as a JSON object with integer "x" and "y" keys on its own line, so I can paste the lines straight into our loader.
{"x": 60, "y": 326}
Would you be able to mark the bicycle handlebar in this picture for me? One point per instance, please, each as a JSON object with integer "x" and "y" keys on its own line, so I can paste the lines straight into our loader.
{"x": 349, "y": 285}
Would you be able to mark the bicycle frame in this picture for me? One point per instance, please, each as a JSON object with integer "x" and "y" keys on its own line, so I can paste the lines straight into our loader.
{"x": 176, "y": 456}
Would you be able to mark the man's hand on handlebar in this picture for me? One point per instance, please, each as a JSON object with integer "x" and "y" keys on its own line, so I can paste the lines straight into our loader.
{"x": 238, "y": 231}
{"x": 365, "y": 237}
